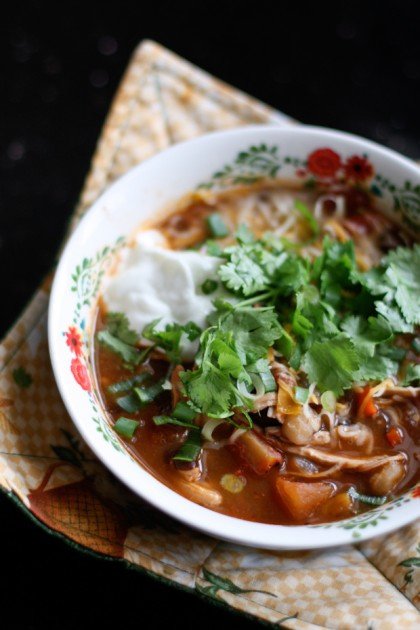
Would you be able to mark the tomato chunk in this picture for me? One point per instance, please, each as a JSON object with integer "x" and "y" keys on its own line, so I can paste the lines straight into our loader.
{"x": 301, "y": 499}
{"x": 394, "y": 436}
{"x": 366, "y": 406}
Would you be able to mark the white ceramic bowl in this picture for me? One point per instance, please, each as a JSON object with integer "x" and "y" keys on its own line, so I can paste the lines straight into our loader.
{"x": 249, "y": 154}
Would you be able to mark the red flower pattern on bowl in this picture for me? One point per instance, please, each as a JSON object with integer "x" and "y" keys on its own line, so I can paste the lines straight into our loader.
{"x": 80, "y": 374}
{"x": 324, "y": 163}
{"x": 358, "y": 168}
{"x": 74, "y": 340}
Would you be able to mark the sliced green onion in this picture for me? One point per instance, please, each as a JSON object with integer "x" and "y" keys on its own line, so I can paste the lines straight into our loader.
{"x": 209, "y": 286}
{"x": 233, "y": 483}
{"x": 258, "y": 384}
{"x": 328, "y": 401}
{"x": 365, "y": 498}
{"x": 126, "y": 385}
{"x": 162, "y": 420}
{"x": 213, "y": 248}
{"x": 209, "y": 427}
{"x": 307, "y": 215}
{"x": 301, "y": 395}
{"x": 126, "y": 427}
{"x": 147, "y": 394}
{"x": 129, "y": 403}
{"x": 183, "y": 411}
{"x": 217, "y": 226}
{"x": 268, "y": 381}
{"x": 191, "y": 448}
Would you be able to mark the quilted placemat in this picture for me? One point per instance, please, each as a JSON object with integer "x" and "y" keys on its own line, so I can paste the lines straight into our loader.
{"x": 47, "y": 469}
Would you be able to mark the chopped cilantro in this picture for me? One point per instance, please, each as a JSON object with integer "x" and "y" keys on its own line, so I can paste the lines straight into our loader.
{"x": 209, "y": 286}
{"x": 328, "y": 319}
{"x": 120, "y": 339}
{"x": 129, "y": 354}
{"x": 169, "y": 338}
{"x": 119, "y": 326}
{"x": 412, "y": 374}
{"x": 331, "y": 364}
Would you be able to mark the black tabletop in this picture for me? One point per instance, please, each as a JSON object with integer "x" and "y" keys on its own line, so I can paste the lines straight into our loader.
{"x": 355, "y": 68}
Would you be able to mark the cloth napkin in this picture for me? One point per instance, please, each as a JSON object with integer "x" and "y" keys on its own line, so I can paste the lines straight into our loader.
{"x": 52, "y": 475}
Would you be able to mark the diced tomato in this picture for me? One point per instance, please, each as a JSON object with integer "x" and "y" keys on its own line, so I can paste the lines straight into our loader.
{"x": 394, "y": 436}
{"x": 365, "y": 404}
{"x": 301, "y": 499}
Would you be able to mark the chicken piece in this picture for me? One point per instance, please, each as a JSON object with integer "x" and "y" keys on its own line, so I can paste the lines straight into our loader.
{"x": 301, "y": 499}
{"x": 283, "y": 374}
{"x": 355, "y": 436}
{"x": 300, "y": 428}
{"x": 321, "y": 438}
{"x": 190, "y": 474}
{"x": 256, "y": 452}
{"x": 384, "y": 480}
{"x": 267, "y": 400}
{"x": 360, "y": 464}
{"x": 201, "y": 493}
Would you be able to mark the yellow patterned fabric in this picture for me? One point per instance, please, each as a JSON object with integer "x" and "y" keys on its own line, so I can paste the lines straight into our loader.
{"x": 47, "y": 468}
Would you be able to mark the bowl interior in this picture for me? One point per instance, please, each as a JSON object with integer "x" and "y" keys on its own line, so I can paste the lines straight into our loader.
{"x": 213, "y": 162}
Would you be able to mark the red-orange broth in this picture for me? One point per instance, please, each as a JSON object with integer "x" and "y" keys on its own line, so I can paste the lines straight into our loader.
{"x": 259, "y": 499}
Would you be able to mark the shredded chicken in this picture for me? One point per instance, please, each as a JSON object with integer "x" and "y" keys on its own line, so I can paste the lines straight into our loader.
{"x": 360, "y": 464}
{"x": 283, "y": 373}
{"x": 267, "y": 400}
{"x": 190, "y": 474}
{"x": 201, "y": 493}
{"x": 300, "y": 428}
{"x": 321, "y": 438}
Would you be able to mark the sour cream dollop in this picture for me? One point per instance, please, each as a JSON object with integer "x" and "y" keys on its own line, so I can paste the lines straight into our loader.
{"x": 155, "y": 282}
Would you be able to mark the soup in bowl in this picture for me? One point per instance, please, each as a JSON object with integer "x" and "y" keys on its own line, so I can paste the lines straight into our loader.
{"x": 234, "y": 329}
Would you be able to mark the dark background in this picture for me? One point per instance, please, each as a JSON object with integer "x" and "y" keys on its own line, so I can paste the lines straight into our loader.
{"x": 354, "y": 67}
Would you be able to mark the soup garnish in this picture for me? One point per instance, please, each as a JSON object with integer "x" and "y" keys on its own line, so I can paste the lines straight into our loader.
{"x": 258, "y": 352}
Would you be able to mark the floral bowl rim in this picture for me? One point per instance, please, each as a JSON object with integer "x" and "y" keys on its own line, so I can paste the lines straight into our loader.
{"x": 218, "y": 159}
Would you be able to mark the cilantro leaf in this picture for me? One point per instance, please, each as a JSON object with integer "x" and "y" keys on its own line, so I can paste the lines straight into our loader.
{"x": 244, "y": 273}
{"x": 169, "y": 338}
{"x": 119, "y": 326}
{"x": 210, "y": 390}
{"x": 129, "y": 354}
{"x": 365, "y": 335}
{"x": 392, "y": 313}
{"x": 253, "y": 330}
{"x": 412, "y": 374}
{"x": 331, "y": 364}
